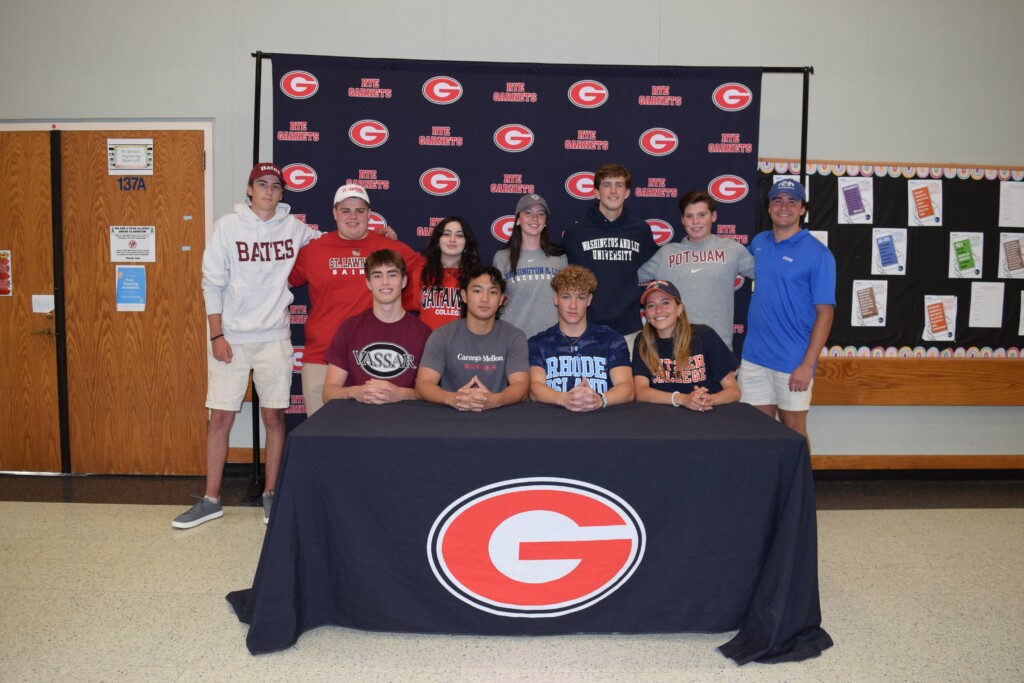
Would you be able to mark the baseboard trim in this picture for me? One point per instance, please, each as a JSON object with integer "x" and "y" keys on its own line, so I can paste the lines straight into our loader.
{"x": 917, "y": 462}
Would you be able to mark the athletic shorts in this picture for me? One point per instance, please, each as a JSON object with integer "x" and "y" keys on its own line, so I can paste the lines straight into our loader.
{"x": 761, "y": 386}
{"x": 271, "y": 366}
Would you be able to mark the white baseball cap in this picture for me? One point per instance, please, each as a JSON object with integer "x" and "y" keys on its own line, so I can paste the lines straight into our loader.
{"x": 346, "y": 191}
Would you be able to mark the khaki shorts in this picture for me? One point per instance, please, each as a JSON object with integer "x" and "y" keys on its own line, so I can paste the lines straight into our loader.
{"x": 313, "y": 377}
{"x": 271, "y": 366}
{"x": 761, "y": 386}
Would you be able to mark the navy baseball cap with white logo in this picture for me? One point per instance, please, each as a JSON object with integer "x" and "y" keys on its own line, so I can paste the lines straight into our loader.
{"x": 788, "y": 187}
{"x": 663, "y": 286}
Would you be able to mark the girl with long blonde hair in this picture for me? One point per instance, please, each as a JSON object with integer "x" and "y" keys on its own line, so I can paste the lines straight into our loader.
{"x": 676, "y": 363}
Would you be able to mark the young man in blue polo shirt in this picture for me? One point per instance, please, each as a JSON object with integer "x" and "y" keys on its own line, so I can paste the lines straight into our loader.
{"x": 790, "y": 312}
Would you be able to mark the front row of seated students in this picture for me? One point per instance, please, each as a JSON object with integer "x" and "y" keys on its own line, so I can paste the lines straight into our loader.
{"x": 479, "y": 362}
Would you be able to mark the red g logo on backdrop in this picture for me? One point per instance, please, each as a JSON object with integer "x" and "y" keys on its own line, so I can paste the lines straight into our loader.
{"x": 442, "y": 90}
{"x": 662, "y": 231}
{"x": 732, "y": 97}
{"x": 513, "y": 137}
{"x": 738, "y": 282}
{"x": 539, "y": 547}
{"x": 580, "y": 185}
{"x": 439, "y": 182}
{"x": 298, "y": 177}
{"x": 658, "y": 142}
{"x": 502, "y": 228}
{"x": 588, "y": 94}
{"x": 728, "y": 188}
{"x": 297, "y": 353}
{"x": 377, "y": 221}
{"x": 368, "y": 133}
{"x": 299, "y": 85}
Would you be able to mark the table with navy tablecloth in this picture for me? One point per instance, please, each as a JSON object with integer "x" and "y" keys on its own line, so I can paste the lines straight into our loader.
{"x": 531, "y": 520}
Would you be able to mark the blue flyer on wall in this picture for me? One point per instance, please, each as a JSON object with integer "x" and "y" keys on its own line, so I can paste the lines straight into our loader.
{"x": 131, "y": 288}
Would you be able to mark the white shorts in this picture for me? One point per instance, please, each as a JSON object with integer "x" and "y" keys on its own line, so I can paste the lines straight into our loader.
{"x": 313, "y": 377}
{"x": 761, "y": 386}
{"x": 271, "y": 366}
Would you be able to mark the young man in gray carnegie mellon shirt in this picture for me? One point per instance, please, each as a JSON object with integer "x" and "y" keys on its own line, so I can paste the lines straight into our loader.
{"x": 477, "y": 362}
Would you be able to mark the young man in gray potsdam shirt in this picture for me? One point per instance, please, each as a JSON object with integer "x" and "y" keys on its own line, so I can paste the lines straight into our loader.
{"x": 702, "y": 266}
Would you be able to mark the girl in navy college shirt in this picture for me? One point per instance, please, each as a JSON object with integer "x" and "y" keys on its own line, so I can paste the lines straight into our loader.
{"x": 674, "y": 362}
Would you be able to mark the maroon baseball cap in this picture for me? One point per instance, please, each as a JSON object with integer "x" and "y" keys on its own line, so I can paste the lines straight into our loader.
{"x": 265, "y": 168}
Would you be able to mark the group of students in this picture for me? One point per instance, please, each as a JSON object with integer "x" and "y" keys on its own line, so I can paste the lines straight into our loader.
{"x": 550, "y": 321}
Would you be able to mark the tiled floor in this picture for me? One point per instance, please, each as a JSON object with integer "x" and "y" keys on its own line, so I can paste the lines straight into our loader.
{"x": 911, "y": 591}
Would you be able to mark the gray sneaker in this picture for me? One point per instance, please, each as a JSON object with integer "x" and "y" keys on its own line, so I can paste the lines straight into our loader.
{"x": 203, "y": 511}
{"x": 268, "y": 502}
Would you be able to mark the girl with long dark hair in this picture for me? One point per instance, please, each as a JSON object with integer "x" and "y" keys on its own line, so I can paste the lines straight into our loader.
{"x": 451, "y": 250}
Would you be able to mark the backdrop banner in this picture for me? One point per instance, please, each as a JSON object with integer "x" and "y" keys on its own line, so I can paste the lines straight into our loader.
{"x": 429, "y": 139}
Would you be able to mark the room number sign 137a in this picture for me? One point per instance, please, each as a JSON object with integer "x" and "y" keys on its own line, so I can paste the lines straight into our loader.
{"x": 130, "y": 183}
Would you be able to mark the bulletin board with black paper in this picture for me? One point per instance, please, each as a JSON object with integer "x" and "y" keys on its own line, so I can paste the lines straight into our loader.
{"x": 928, "y": 259}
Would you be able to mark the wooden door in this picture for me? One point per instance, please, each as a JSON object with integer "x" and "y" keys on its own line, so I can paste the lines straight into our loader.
{"x": 29, "y": 423}
{"x": 136, "y": 380}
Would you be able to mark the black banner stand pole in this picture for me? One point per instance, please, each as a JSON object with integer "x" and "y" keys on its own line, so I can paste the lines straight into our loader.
{"x": 254, "y": 493}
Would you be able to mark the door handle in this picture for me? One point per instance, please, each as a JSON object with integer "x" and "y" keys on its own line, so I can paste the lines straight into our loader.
{"x": 44, "y": 333}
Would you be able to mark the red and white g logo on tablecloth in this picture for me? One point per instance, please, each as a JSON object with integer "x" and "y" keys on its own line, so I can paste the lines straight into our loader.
{"x": 538, "y": 547}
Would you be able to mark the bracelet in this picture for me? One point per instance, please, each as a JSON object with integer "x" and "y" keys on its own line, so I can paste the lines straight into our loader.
{"x": 216, "y": 338}
{"x": 604, "y": 400}
{"x": 673, "y": 399}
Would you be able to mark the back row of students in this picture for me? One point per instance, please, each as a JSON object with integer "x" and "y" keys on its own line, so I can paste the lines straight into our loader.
{"x": 359, "y": 284}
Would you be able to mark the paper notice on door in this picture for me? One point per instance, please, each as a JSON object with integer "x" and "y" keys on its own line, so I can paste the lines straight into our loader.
{"x": 132, "y": 243}
{"x": 6, "y": 280}
{"x": 130, "y": 156}
{"x": 130, "y": 287}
